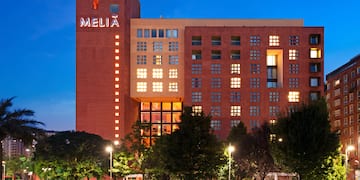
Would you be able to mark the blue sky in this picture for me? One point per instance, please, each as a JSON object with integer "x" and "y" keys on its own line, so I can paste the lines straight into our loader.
{"x": 37, "y": 61}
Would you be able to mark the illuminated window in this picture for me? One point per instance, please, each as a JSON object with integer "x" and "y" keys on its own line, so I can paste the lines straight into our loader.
{"x": 141, "y": 59}
{"x": 271, "y": 60}
{"x": 116, "y": 128}
{"x": 157, "y": 60}
{"x": 157, "y": 46}
{"x": 117, "y": 86}
{"x": 254, "y": 40}
{"x": 117, "y": 37}
{"x": 196, "y": 97}
{"x": 141, "y": 73}
{"x": 235, "y": 82}
{"x": 294, "y": 96}
{"x": 235, "y": 111}
{"x": 173, "y": 73}
{"x": 157, "y": 86}
{"x": 141, "y": 87}
{"x": 337, "y": 82}
{"x": 293, "y": 40}
{"x": 117, "y": 114}
{"x": 254, "y": 54}
{"x": 117, "y": 72}
{"x": 235, "y": 68}
{"x": 117, "y": 93}
{"x": 117, "y": 107}
{"x": 116, "y": 135}
{"x": 274, "y": 40}
{"x": 215, "y": 68}
{"x": 315, "y": 53}
{"x": 117, "y": 43}
{"x": 173, "y": 87}
{"x": 157, "y": 73}
{"x": 117, "y": 50}
{"x": 117, "y": 57}
{"x": 117, "y": 65}
{"x": 174, "y": 59}
{"x": 117, "y": 79}
{"x": 117, "y": 100}
{"x": 293, "y": 54}
{"x": 117, "y": 121}
{"x": 197, "y": 109}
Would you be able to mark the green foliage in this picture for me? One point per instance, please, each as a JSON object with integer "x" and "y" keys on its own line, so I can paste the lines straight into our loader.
{"x": 71, "y": 155}
{"x": 307, "y": 141}
{"x": 191, "y": 152}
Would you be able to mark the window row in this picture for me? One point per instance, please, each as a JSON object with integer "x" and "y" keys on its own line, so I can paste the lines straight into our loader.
{"x": 274, "y": 40}
{"x": 157, "y": 33}
{"x": 157, "y": 46}
{"x": 157, "y": 73}
{"x": 156, "y": 87}
{"x": 157, "y": 59}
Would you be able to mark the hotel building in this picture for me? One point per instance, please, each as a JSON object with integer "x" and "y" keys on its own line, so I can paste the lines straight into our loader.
{"x": 343, "y": 98}
{"x": 130, "y": 68}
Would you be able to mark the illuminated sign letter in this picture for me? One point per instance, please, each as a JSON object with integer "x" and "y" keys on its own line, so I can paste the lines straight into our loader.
{"x": 85, "y": 22}
{"x": 115, "y": 22}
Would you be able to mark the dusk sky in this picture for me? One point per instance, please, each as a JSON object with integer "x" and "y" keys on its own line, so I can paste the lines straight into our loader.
{"x": 37, "y": 62}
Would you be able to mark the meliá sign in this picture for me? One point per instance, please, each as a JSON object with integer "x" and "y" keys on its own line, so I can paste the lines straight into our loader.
{"x": 99, "y": 22}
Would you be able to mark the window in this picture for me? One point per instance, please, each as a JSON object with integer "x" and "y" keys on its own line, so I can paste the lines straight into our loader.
{"x": 196, "y": 55}
{"x": 153, "y": 33}
{"x": 274, "y": 110}
{"x": 314, "y": 96}
{"x": 196, "y": 82}
{"x": 157, "y": 86}
{"x": 215, "y": 97}
{"x": 274, "y": 96}
{"x": 293, "y": 82}
{"x": 196, "y": 97}
{"x": 215, "y": 125}
{"x": 215, "y": 83}
{"x": 254, "y": 97}
{"x": 157, "y": 60}
{"x": 294, "y": 96}
{"x": 171, "y": 33}
{"x": 157, "y": 73}
{"x": 173, "y": 73}
{"x": 141, "y": 46}
{"x": 216, "y": 40}
{"x": 293, "y": 40}
{"x": 235, "y": 54}
{"x": 271, "y": 77}
{"x": 174, "y": 59}
{"x": 314, "y": 39}
{"x": 161, "y": 33}
{"x": 141, "y": 73}
{"x": 235, "y": 69}
{"x": 274, "y": 40}
{"x": 234, "y": 123}
{"x": 254, "y": 82}
{"x": 315, "y": 53}
{"x": 254, "y": 123}
{"x": 254, "y": 111}
{"x": 141, "y": 87}
{"x": 196, "y": 69}
{"x": 235, "y": 40}
{"x": 234, "y": 96}
{"x": 196, "y": 40}
{"x": 173, "y": 46}
{"x": 254, "y": 40}
{"x": 314, "y": 82}
{"x": 293, "y": 68}
{"x": 315, "y": 67}
{"x": 157, "y": 46}
{"x": 235, "y": 82}
{"x": 146, "y": 33}
{"x": 139, "y": 33}
{"x": 235, "y": 111}
{"x": 215, "y": 54}
{"x": 293, "y": 54}
{"x": 254, "y": 54}
{"x": 215, "y": 68}
{"x": 255, "y": 68}
{"x": 140, "y": 59}
{"x": 197, "y": 109}
{"x": 173, "y": 87}
{"x": 215, "y": 111}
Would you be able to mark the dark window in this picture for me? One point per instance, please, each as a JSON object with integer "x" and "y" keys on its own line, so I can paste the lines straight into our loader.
{"x": 314, "y": 39}
{"x": 235, "y": 54}
{"x": 215, "y": 54}
{"x": 196, "y": 82}
{"x": 139, "y": 33}
{"x": 153, "y": 33}
{"x": 161, "y": 33}
{"x": 216, "y": 40}
{"x": 146, "y": 33}
{"x": 196, "y": 41}
{"x": 114, "y": 8}
{"x": 315, "y": 67}
{"x": 196, "y": 54}
{"x": 235, "y": 40}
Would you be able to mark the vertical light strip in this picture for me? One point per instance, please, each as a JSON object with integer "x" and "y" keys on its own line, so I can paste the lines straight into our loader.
{"x": 116, "y": 90}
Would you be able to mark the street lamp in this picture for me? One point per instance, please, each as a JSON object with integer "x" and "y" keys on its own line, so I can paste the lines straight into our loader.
{"x": 109, "y": 149}
{"x": 230, "y": 150}
{"x": 4, "y": 173}
{"x": 347, "y": 150}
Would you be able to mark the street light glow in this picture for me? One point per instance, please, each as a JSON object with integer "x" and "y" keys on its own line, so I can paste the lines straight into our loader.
{"x": 109, "y": 149}
{"x": 231, "y": 148}
{"x": 350, "y": 148}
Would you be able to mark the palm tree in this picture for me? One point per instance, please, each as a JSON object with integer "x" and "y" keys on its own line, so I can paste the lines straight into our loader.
{"x": 18, "y": 124}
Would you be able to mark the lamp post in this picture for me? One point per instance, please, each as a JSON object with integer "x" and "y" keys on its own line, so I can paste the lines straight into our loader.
{"x": 4, "y": 173}
{"x": 230, "y": 150}
{"x": 347, "y": 150}
{"x": 109, "y": 149}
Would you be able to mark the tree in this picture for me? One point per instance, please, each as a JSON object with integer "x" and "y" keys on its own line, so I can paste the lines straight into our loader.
{"x": 74, "y": 155}
{"x": 191, "y": 152}
{"x": 306, "y": 140}
{"x": 18, "y": 124}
